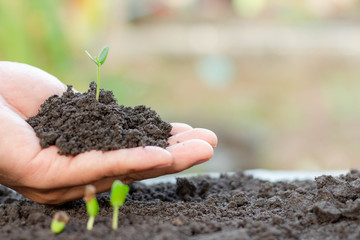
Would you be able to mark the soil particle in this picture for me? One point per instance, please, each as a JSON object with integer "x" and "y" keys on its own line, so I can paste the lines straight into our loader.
{"x": 233, "y": 206}
{"x": 77, "y": 122}
{"x": 326, "y": 212}
{"x": 185, "y": 189}
{"x": 341, "y": 190}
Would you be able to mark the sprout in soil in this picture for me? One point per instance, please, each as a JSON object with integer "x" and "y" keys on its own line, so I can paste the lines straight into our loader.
{"x": 117, "y": 199}
{"x": 99, "y": 61}
{"x": 92, "y": 205}
{"x": 59, "y": 222}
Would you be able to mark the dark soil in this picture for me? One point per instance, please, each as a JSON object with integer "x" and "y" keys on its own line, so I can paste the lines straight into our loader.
{"x": 77, "y": 122}
{"x": 230, "y": 207}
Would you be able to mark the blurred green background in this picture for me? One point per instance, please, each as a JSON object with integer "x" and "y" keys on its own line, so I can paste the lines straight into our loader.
{"x": 277, "y": 80}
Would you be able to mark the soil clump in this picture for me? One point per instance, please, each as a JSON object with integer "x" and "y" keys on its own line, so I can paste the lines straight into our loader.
{"x": 235, "y": 206}
{"x": 77, "y": 122}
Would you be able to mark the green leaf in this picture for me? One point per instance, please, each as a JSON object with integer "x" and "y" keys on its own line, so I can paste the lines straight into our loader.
{"x": 92, "y": 207}
{"x": 96, "y": 62}
{"x": 56, "y": 226}
{"x": 118, "y": 193}
{"x": 103, "y": 55}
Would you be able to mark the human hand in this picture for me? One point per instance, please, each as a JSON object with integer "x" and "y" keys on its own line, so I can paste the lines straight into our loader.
{"x": 46, "y": 177}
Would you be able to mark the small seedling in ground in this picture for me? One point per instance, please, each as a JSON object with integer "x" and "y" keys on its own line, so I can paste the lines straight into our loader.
{"x": 99, "y": 61}
{"x": 92, "y": 205}
{"x": 118, "y": 195}
{"x": 59, "y": 222}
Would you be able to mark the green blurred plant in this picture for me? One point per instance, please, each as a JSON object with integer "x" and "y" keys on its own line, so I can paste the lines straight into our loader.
{"x": 118, "y": 195}
{"x": 59, "y": 222}
{"x": 92, "y": 205}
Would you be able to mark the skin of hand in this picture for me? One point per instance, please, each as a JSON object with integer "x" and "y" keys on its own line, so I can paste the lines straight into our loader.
{"x": 46, "y": 177}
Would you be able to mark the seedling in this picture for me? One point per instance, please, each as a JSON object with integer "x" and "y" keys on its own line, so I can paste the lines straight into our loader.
{"x": 59, "y": 222}
{"x": 99, "y": 61}
{"x": 117, "y": 199}
{"x": 92, "y": 205}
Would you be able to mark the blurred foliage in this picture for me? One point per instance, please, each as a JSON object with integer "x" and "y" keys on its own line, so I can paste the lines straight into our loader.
{"x": 31, "y": 32}
{"x": 50, "y": 34}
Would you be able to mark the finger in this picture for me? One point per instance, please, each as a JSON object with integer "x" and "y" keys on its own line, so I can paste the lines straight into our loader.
{"x": 18, "y": 140}
{"x": 62, "y": 195}
{"x": 92, "y": 166}
{"x": 189, "y": 153}
{"x": 196, "y": 133}
{"x": 179, "y": 127}
{"x": 185, "y": 155}
{"x": 77, "y": 192}
{"x": 26, "y": 87}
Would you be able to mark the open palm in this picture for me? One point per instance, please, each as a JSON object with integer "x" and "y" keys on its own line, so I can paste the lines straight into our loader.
{"x": 49, "y": 178}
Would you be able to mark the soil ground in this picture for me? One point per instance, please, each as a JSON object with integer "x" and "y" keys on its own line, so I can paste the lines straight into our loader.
{"x": 233, "y": 206}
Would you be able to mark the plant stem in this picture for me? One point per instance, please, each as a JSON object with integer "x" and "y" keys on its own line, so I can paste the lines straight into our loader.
{"x": 115, "y": 218}
{"x": 90, "y": 223}
{"x": 98, "y": 83}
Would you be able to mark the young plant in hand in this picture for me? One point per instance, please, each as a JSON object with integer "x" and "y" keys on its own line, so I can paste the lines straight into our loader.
{"x": 59, "y": 222}
{"x": 99, "y": 61}
{"x": 118, "y": 195}
{"x": 92, "y": 205}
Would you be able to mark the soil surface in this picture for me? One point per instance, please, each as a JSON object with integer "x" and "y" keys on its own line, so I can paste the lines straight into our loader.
{"x": 233, "y": 206}
{"x": 77, "y": 122}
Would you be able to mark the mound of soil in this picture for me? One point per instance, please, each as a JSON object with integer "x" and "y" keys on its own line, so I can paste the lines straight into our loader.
{"x": 77, "y": 122}
{"x": 229, "y": 207}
